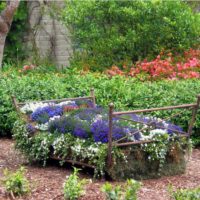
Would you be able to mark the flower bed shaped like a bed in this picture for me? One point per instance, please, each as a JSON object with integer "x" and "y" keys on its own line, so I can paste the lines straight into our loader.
{"x": 123, "y": 144}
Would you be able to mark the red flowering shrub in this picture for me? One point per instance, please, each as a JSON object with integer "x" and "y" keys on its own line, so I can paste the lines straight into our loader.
{"x": 192, "y": 53}
{"x": 115, "y": 71}
{"x": 164, "y": 67}
{"x": 28, "y": 68}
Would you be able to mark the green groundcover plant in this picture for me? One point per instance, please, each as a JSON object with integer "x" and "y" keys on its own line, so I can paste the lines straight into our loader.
{"x": 185, "y": 194}
{"x": 15, "y": 183}
{"x": 73, "y": 186}
{"x": 126, "y": 93}
{"x": 127, "y": 192}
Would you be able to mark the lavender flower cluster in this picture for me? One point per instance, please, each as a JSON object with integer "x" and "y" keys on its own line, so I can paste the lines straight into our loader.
{"x": 69, "y": 125}
{"x": 91, "y": 123}
{"x": 42, "y": 115}
{"x": 100, "y": 130}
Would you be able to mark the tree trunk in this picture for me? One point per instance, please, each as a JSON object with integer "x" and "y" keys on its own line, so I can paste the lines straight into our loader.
{"x": 6, "y": 17}
{"x": 2, "y": 42}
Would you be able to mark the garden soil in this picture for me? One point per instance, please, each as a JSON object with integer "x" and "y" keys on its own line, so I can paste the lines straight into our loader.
{"x": 47, "y": 183}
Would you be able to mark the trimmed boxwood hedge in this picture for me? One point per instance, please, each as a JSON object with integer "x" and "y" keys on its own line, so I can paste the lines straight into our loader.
{"x": 126, "y": 93}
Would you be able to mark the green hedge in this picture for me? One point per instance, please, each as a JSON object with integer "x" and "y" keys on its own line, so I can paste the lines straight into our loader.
{"x": 113, "y": 32}
{"x": 124, "y": 92}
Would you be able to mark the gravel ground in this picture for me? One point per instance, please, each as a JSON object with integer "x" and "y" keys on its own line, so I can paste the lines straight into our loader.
{"x": 46, "y": 183}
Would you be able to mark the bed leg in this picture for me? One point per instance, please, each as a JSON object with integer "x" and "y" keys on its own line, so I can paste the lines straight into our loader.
{"x": 194, "y": 113}
{"x": 111, "y": 107}
{"x": 93, "y": 97}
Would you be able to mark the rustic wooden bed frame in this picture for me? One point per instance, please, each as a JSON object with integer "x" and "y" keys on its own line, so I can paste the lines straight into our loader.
{"x": 112, "y": 114}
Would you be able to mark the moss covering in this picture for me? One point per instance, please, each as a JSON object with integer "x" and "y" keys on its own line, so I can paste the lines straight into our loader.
{"x": 138, "y": 166}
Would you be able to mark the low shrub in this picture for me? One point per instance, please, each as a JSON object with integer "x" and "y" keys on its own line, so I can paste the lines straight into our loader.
{"x": 16, "y": 183}
{"x": 127, "y": 192}
{"x": 186, "y": 194}
{"x": 73, "y": 186}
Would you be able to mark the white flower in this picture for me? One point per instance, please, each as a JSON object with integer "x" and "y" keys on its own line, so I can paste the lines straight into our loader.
{"x": 66, "y": 103}
{"x": 54, "y": 118}
{"x": 42, "y": 127}
{"x": 157, "y": 132}
{"x": 145, "y": 137}
{"x": 32, "y": 106}
{"x": 97, "y": 118}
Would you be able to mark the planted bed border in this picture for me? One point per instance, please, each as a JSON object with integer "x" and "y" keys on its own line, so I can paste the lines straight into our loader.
{"x": 112, "y": 114}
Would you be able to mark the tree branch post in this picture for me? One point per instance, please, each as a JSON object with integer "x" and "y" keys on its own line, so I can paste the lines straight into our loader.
{"x": 194, "y": 113}
{"x": 111, "y": 107}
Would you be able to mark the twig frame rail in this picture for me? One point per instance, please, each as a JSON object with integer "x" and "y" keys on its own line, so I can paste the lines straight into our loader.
{"x": 112, "y": 114}
{"x": 92, "y": 97}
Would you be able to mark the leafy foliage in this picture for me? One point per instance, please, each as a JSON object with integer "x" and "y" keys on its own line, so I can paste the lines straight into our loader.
{"x": 111, "y": 193}
{"x": 132, "y": 187}
{"x": 73, "y": 186}
{"x": 128, "y": 192}
{"x": 2, "y": 5}
{"x": 186, "y": 194}
{"x": 16, "y": 183}
{"x": 116, "y": 32}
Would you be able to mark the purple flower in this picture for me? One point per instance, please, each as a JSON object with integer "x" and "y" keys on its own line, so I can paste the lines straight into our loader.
{"x": 81, "y": 131}
{"x": 30, "y": 128}
{"x": 42, "y": 115}
{"x": 100, "y": 130}
{"x": 60, "y": 125}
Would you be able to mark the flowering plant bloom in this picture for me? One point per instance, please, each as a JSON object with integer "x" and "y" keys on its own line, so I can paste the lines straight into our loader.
{"x": 30, "y": 128}
{"x": 100, "y": 130}
{"x": 92, "y": 123}
{"x": 61, "y": 125}
{"x": 163, "y": 66}
{"x": 42, "y": 115}
{"x": 42, "y": 127}
{"x": 31, "y": 107}
{"x": 28, "y": 68}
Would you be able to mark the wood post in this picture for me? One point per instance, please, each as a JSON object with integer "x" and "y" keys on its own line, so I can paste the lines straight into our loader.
{"x": 93, "y": 97}
{"x": 14, "y": 101}
{"x": 194, "y": 113}
{"x": 111, "y": 107}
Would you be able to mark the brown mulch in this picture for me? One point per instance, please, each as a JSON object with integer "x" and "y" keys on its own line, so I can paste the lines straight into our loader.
{"x": 47, "y": 183}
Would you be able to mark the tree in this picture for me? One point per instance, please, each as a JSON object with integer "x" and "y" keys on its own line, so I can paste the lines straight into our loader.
{"x": 6, "y": 17}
